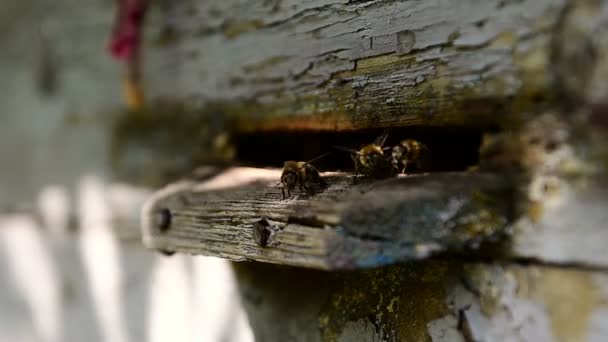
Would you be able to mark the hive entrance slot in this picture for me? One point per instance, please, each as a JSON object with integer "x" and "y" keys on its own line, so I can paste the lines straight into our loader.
{"x": 453, "y": 149}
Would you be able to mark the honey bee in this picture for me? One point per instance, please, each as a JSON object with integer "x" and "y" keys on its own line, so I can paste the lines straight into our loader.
{"x": 303, "y": 174}
{"x": 410, "y": 152}
{"x": 370, "y": 160}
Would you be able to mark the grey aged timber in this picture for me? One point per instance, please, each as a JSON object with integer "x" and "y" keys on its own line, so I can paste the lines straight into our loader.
{"x": 355, "y": 64}
{"x": 343, "y": 226}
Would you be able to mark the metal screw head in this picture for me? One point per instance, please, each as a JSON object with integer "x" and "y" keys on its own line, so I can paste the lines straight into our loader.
{"x": 162, "y": 219}
{"x": 261, "y": 232}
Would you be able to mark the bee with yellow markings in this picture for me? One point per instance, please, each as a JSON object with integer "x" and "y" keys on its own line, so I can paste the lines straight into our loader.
{"x": 370, "y": 160}
{"x": 410, "y": 153}
{"x": 302, "y": 174}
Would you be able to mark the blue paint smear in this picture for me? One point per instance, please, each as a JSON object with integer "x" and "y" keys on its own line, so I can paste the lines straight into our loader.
{"x": 376, "y": 260}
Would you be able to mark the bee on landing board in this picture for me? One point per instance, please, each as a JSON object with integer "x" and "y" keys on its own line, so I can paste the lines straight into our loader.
{"x": 302, "y": 174}
{"x": 370, "y": 160}
{"x": 410, "y": 153}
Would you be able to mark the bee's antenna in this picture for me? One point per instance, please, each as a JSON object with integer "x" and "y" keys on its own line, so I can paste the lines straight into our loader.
{"x": 278, "y": 184}
{"x": 318, "y": 157}
{"x": 381, "y": 139}
{"x": 346, "y": 149}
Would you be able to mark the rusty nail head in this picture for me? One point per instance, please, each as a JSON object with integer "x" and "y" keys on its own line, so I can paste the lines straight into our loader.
{"x": 261, "y": 232}
{"x": 162, "y": 219}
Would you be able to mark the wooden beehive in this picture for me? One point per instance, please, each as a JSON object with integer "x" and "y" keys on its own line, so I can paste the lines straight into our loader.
{"x": 489, "y": 244}
{"x": 504, "y": 238}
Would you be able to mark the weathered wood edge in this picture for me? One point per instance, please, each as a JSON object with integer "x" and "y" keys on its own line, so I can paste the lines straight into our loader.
{"x": 334, "y": 65}
{"x": 562, "y": 217}
{"x": 344, "y": 226}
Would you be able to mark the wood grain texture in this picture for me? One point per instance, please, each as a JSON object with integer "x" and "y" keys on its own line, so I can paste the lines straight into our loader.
{"x": 333, "y": 64}
{"x": 343, "y": 226}
{"x": 239, "y": 67}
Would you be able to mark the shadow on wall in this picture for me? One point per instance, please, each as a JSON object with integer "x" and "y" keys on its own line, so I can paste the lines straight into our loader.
{"x": 93, "y": 284}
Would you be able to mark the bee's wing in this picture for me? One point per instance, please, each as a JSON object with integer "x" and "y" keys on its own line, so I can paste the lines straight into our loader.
{"x": 381, "y": 139}
{"x": 346, "y": 149}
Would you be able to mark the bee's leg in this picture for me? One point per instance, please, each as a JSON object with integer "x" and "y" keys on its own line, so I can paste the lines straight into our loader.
{"x": 309, "y": 189}
{"x": 283, "y": 193}
{"x": 397, "y": 165}
{"x": 357, "y": 173}
{"x": 318, "y": 180}
{"x": 404, "y": 166}
{"x": 322, "y": 181}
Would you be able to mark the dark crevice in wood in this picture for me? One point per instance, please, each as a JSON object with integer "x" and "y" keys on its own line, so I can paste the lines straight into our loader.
{"x": 453, "y": 149}
{"x": 499, "y": 258}
{"x": 306, "y": 221}
{"x": 562, "y": 265}
{"x": 372, "y": 238}
{"x": 463, "y": 324}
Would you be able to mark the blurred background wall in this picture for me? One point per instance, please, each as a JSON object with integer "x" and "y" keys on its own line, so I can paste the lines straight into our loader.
{"x": 71, "y": 264}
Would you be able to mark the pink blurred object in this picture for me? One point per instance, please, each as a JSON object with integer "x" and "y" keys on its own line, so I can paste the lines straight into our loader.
{"x": 126, "y": 37}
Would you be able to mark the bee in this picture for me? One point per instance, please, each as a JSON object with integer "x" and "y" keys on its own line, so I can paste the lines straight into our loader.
{"x": 302, "y": 174}
{"x": 410, "y": 153}
{"x": 370, "y": 160}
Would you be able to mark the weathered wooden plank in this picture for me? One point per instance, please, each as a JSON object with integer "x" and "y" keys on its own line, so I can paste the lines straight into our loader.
{"x": 240, "y": 67}
{"x": 516, "y": 40}
{"x": 560, "y": 216}
{"x": 345, "y": 225}
{"x": 347, "y": 65}
{"x": 441, "y": 301}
